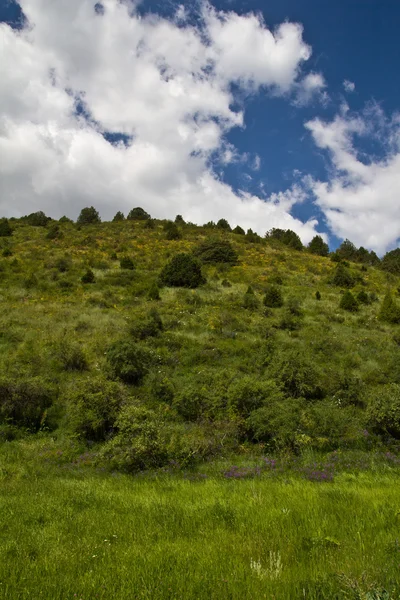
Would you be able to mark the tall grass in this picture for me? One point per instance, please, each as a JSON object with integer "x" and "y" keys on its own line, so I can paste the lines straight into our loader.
{"x": 69, "y": 532}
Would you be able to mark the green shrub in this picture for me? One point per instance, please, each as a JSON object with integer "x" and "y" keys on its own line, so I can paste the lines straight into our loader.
{"x": 223, "y": 224}
{"x": 276, "y": 423}
{"x": 7, "y": 252}
{"x": 318, "y": 246}
{"x": 286, "y": 236}
{"x": 250, "y": 301}
{"x": 383, "y": 409}
{"x": 363, "y": 297}
{"x": 5, "y": 228}
{"x": 343, "y": 277}
{"x": 214, "y": 250}
{"x": 37, "y": 219}
{"x": 139, "y": 443}
{"x": 296, "y": 375}
{"x": 171, "y": 231}
{"x": 88, "y": 277}
{"x": 390, "y": 311}
{"x": 126, "y": 263}
{"x": 65, "y": 219}
{"x": 88, "y": 216}
{"x": 71, "y": 356}
{"x": 152, "y": 326}
{"x": 128, "y": 361}
{"x": 63, "y": 264}
{"x": 348, "y": 302}
{"x": 138, "y": 214}
{"x": 391, "y": 262}
{"x": 154, "y": 292}
{"x": 247, "y": 394}
{"x": 191, "y": 402}
{"x": 92, "y": 407}
{"x": 118, "y": 217}
{"x": 179, "y": 220}
{"x": 54, "y": 232}
{"x": 238, "y": 230}
{"x": 24, "y": 401}
{"x": 273, "y": 297}
{"x": 318, "y": 295}
{"x": 183, "y": 270}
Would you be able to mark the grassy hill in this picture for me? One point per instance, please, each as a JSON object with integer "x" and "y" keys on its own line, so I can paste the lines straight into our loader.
{"x": 258, "y": 412}
{"x": 198, "y": 372}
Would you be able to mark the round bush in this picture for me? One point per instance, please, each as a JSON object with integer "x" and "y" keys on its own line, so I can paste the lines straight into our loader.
{"x": 217, "y": 251}
{"x": 183, "y": 270}
{"x": 383, "y": 409}
{"x": 348, "y": 302}
{"x": 24, "y": 402}
{"x": 273, "y": 297}
{"x": 128, "y": 361}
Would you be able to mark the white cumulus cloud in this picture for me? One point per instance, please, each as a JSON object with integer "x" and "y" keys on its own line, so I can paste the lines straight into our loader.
{"x": 163, "y": 83}
{"x": 361, "y": 199}
{"x": 349, "y": 86}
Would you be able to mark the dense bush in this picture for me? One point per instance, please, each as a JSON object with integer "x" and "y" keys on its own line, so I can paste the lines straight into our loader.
{"x": 118, "y": 217}
{"x": 215, "y": 250}
{"x": 127, "y": 263}
{"x": 390, "y": 311}
{"x": 286, "y": 236}
{"x": 88, "y": 216}
{"x": 273, "y": 297}
{"x": 154, "y": 292}
{"x": 183, "y": 270}
{"x": 88, "y": 277}
{"x": 37, "y": 219}
{"x": 5, "y": 228}
{"x": 24, "y": 401}
{"x": 250, "y": 302}
{"x": 138, "y": 214}
{"x": 92, "y": 407}
{"x": 348, "y": 302}
{"x": 151, "y": 326}
{"x": 128, "y": 361}
{"x": 171, "y": 231}
{"x": 391, "y": 262}
{"x": 54, "y": 232}
{"x": 296, "y": 375}
{"x": 247, "y": 394}
{"x": 383, "y": 409}
{"x": 238, "y": 230}
{"x": 343, "y": 277}
{"x": 223, "y": 224}
{"x": 71, "y": 356}
{"x": 276, "y": 423}
{"x": 318, "y": 246}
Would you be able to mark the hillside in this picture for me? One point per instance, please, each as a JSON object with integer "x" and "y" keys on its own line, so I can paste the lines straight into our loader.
{"x": 259, "y": 355}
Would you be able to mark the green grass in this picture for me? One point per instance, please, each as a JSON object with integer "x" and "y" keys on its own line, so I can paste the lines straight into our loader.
{"x": 70, "y": 532}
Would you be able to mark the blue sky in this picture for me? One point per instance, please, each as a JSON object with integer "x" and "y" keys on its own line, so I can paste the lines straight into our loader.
{"x": 322, "y": 161}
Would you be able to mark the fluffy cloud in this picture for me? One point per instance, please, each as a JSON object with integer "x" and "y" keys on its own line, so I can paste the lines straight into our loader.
{"x": 361, "y": 200}
{"x": 80, "y": 71}
{"x": 349, "y": 86}
{"x": 311, "y": 88}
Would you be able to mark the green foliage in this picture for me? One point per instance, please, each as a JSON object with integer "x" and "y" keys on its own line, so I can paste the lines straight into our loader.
{"x": 92, "y": 407}
{"x": 252, "y": 237}
{"x": 215, "y": 250}
{"x": 152, "y": 326}
{"x": 179, "y": 220}
{"x": 346, "y": 250}
{"x": 88, "y": 277}
{"x": 24, "y": 401}
{"x": 118, "y": 217}
{"x": 171, "y": 231}
{"x": 391, "y": 262}
{"x": 296, "y": 375}
{"x": 286, "y": 236}
{"x": 390, "y": 311}
{"x": 276, "y": 422}
{"x": 318, "y": 246}
{"x": 54, "y": 232}
{"x": 250, "y": 302}
{"x": 383, "y": 409}
{"x": 5, "y": 228}
{"x": 139, "y": 442}
{"x": 65, "y": 219}
{"x": 273, "y": 297}
{"x": 348, "y": 302}
{"x": 223, "y": 224}
{"x": 238, "y": 230}
{"x": 7, "y": 252}
{"x": 154, "y": 292}
{"x": 363, "y": 297}
{"x": 183, "y": 270}
{"x": 37, "y": 219}
{"x": 71, "y": 356}
{"x": 138, "y": 214}
{"x": 88, "y": 216}
{"x": 343, "y": 277}
{"x": 246, "y": 394}
{"x": 127, "y": 263}
{"x": 318, "y": 295}
{"x": 128, "y": 361}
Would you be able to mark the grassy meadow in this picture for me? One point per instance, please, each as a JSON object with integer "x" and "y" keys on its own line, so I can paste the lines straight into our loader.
{"x": 234, "y": 436}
